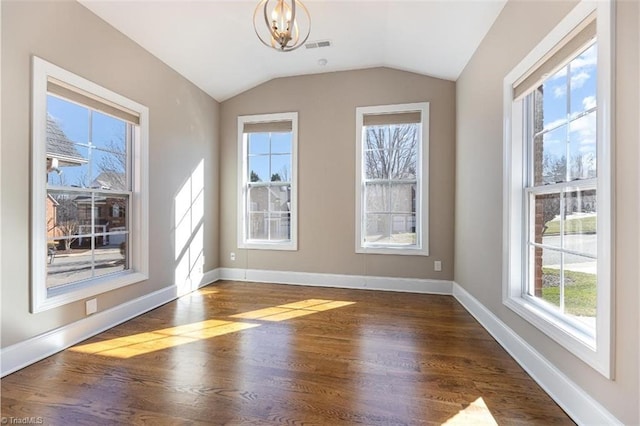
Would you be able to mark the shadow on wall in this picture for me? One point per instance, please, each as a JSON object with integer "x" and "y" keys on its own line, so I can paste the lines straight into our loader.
{"x": 188, "y": 232}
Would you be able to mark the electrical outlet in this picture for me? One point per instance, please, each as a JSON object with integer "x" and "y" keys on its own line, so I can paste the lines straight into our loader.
{"x": 91, "y": 306}
{"x": 437, "y": 265}
{"x": 232, "y": 256}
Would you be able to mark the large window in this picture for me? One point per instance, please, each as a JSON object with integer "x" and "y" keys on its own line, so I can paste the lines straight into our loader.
{"x": 558, "y": 186}
{"x": 267, "y": 168}
{"x": 392, "y": 160}
{"x": 88, "y": 188}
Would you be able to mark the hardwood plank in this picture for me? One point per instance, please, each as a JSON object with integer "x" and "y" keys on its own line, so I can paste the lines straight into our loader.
{"x": 249, "y": 353}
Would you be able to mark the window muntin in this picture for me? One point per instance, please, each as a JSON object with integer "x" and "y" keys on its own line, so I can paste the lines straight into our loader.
{"x": 391, "y": 148}
{"x": 94, "y": 143}
{"x": 561, "y": 190}
{"x": 268, "y": 185}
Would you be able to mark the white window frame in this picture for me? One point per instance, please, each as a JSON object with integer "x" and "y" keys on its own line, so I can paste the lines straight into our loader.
{"x": 41, "y": 297}
{"x": 243, "y": 241}
{"x": 421, "y": 248}
{"x": 595, "y": 350}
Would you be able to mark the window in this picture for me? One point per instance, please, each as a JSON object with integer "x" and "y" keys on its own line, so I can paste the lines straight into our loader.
{"x": 89, "y": 189}
{"x": 558, "y": 186}
{"x": 268, "y": 192}
{"x": 392, "y": 159}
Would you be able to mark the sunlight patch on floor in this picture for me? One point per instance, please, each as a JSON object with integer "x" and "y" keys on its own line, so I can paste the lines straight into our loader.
{"x": 293, "y": 310}
{"x": 476, "y": 413}
{"x": 144, "y": 343}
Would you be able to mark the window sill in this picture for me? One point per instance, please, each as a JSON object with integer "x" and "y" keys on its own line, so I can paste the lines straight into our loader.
{"x": 577, "y": 340}
{"x": 401, "y": 251}
{"x": 82, "y": 290}
{"x": 255, "y": 245}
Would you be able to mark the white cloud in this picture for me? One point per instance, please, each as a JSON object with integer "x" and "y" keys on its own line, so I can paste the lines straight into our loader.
{"x": 578, "y": 80}
{"x": 583, "y": 131}
{"x": 589, "y": 102}
{"x": 559, "y": 91}
{"x": 588, "y": 58}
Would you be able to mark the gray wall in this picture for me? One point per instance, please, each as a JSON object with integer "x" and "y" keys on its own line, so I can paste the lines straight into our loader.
{"x": 183, "y": 132}
{"x": 326, "y": 106}
{"x": 478, "y": 259}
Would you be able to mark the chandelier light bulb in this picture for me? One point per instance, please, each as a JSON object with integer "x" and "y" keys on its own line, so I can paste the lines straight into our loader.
{"x": 282, "y": 30}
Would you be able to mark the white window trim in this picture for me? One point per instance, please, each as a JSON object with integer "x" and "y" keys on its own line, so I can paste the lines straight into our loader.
{"x": 243, "y": 242}
{"x": 41, "y": 298}
{"x": 422, "y": 193}
{"x": 595, "y": 352}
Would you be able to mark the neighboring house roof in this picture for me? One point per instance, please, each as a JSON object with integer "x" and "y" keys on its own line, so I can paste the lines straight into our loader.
{"x": 54, "y": 202}
{"x": 60, "y": 146}
{"x": 115, "y": 181}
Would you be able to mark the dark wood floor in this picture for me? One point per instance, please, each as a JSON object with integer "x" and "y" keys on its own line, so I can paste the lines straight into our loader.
{"x": 243, "y": 353}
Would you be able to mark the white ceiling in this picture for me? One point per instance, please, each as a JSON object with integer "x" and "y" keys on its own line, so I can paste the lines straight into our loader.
{"x": 213, "y": 44}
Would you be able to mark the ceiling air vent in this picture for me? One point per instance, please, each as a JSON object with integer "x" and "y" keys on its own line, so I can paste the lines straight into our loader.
{"x": 317, "y": 44}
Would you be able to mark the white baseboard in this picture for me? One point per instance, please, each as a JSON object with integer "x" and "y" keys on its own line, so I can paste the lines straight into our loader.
{"x": 574, "y": 400}
{"x": 579, "y": 405}
{"x": 412, "y": 285}
{"x": 20, "y": 355}
{"x": 210, "y": 277}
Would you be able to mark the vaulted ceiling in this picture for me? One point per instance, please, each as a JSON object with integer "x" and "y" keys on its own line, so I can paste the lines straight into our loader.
{"x": 213, "y": 43}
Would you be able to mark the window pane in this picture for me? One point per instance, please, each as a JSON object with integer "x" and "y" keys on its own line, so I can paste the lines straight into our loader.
{"x": 64, "y": 217}
{"x": 113, "y": 211}
{"x": 108, "y": 258}
{"x": 280, "y": 168}
{"x": 280, "y": 198}
{"x": 402, "y": 163}
{"x": 403, "y": 198}
{"x": 258, "y": 143}
{"x": 580, "y": 287}
{"x": 67, "y": 171}
{"x": 391, "y": 152}
{"x": 583, "y": 81}
{"x": 258, "y": 199}
{"x": 554, "y": 100}
{"x": 377, "y": 138}
{"x": 580, "y": 222}
{"x": 546, "y": 222}
{"x": 258, "y": 223}
{"x": 279, "y": 226}
{"x": 377, "y": 197}
{"x": 547, "y": 282}
{"x": 403, "y": 229}
{"x": 403, "y": 152}
{"x": 108, "y": 133}
{"x": 377, "y": 228}
{"x": 552, "y": 155}
{"x": 281, "y": 143}
{"x": 66, "y": 268}
{"x": 108, "y": 170}
{"x": 582, "y": 137}
{"x": 259, "y": 169}
{"x": 376, "y": 164}
{"x": 66, "y": 121}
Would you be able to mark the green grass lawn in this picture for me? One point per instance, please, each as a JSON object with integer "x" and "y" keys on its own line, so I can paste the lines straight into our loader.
{"x": 579, "y": 292}
{"x": 582, "y": 225}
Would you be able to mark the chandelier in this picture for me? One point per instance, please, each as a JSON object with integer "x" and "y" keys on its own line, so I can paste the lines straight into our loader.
{"x": 281, "y": 30}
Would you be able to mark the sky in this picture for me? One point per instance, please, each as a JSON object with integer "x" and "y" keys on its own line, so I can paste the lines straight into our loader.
{"x": 270, "y": 153}
{"x": 94, "y": 143}
{"x": 561, "y": 103}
